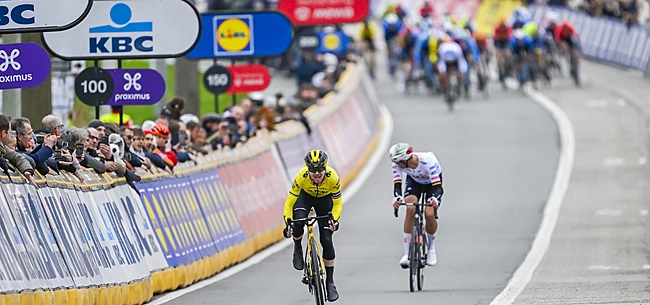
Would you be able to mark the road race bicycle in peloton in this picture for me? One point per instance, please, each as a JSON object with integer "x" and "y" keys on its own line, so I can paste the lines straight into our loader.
{"x": 314, "y": 271}
{"x": 419, "y": 244}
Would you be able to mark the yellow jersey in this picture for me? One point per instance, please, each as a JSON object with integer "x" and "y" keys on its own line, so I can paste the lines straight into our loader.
{"x": 331, "y": 185}
{"x": 367, "y": 32}
{"x": 434, "y": 43}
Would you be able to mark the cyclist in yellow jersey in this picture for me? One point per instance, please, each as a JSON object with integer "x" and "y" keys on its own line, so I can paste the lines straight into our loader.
{"x": 316, "y": 185}
{"x": 367, "y": 47}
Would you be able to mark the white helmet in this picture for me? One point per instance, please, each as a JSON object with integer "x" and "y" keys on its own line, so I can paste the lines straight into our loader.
{"x": 391, "y": 18}
{"x": 552, "y": 16}
{"x": 400, "y": 152}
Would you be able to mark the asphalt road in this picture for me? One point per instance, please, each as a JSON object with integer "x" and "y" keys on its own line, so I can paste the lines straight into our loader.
{"x": 599, "y": 250}
{"x": 498, "y": 157}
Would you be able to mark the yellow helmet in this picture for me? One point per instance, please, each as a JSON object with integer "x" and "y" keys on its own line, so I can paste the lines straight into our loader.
{"x": 316, "y": 160}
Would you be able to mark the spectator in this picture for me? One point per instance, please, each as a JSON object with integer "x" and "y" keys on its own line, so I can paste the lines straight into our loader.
{"x": 18, "y": 160}
{"x": 38, "y": 156}
{"x": 197, "y": 138}
{"x": 161, "y": 137}
{"x": 137, "y": 148}
{"x": 149, "y": 147}
{"x": 104, "y": 149}
{"x": 86, "y": 160}
{"x": 127, "y": 136}
{"x": 51, "y": 124}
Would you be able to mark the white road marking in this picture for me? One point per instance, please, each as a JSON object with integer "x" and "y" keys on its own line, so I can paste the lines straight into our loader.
{"x": 643, "y": 212}
{"x": 606, "y": 212}
{"x": 524, "y": 272}
{"x": 621, "y": 102}
{"x": 646, "y": 267}
{"x": 597, "y": 103}
{"x": 352, "y": 188}
{"x": 613, "y": 161}
{"x": 603, "y": 267}
{"x": 643, "y": 161}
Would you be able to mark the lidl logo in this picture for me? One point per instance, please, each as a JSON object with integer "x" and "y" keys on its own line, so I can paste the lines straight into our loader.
{"x": 124, "y": 36}
{"x": 233, "y": 35}
{"x": 332, "y": 41}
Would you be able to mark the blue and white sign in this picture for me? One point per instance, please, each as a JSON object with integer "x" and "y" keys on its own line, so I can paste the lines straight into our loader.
{"x": 130, "y": 29}
{"x": 233, "y": 35}
{"x": 20, "y": 16}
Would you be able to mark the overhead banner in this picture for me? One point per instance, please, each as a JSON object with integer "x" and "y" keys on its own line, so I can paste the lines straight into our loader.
{"x": 235, "y": 35}
{"x": 41, "y": 15}
{"x": 129, "y": 29}
{"x": 314, "y": 12}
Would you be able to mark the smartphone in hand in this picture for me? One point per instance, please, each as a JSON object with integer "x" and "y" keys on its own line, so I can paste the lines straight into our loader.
{"x": 79, "y": 151}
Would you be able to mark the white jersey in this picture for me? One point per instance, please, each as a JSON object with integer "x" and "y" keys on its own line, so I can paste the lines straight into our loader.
{"x": 427, "y": 172}
{"x": 450, "y": 51}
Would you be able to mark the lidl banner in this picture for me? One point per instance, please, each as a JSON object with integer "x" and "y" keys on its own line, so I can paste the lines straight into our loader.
{"x": 250, "y": 34}
{"x": 101, "y": 241}
{"x": 490, "y": 11}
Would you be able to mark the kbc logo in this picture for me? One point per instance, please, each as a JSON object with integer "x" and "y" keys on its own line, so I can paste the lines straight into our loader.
{"x": 125, "y": 36}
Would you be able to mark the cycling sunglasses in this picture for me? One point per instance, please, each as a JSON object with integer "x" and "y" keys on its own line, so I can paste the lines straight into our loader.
{"x": 316, "y": 169}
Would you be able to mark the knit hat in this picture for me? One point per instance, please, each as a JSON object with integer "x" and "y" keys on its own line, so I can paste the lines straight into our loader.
{"x": 96, "y": 123}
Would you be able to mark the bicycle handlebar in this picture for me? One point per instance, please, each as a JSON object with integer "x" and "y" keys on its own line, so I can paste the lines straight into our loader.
{"x": 312, "y": 219}
{"x": 435, "y": 210}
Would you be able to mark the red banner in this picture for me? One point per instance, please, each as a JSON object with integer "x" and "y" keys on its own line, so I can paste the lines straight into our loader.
{"x": 249, "y": 78}
{"x": 313, "y": 12}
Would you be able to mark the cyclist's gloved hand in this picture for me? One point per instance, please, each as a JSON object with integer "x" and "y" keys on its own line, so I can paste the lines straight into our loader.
{"x": 287, "y": 229}
{"x": 433, "y": 201}
{"x": 334, "y": 225}
{"x": 396, "y": 201}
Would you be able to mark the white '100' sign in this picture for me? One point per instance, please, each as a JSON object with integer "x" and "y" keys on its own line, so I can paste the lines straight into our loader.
{"x": 93, "y": 86}
{"x": 217, "y": 80}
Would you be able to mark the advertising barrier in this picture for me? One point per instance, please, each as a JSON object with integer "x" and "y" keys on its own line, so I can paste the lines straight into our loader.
{"x": 605, "y": 39}
{"x": 101, "y": 241}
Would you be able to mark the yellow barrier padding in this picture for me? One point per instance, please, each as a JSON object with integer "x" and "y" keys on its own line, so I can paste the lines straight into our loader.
{"x": 490, "y": 11}
{"x": 157, "y": 279}
{"x": 150, "y": 292}
{"x": 2, "y": 300}
{"x": 40, "y": 298}
{"x": 102, "y": 296}
{"x": 48, "y": 297}
{"x": 78, "y": 296}
{"x": 12, "y": 299}
{"x": 60, "y": 297}
{"x": 92, "y": 295}
{"x": 115, "y": 295}
{"x": 27, "y": 298}
{"x": 124, "y": 294}
{"x": 169, "y": 278}
{"x": 134, "y": 293}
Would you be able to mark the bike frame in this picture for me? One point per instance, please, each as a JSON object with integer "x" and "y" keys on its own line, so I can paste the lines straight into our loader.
{"x": 314, "y": 271}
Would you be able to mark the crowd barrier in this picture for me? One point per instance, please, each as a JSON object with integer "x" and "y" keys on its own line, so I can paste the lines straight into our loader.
{"x": 490, "y": 11}
{"x": 102, "y": 242}
{"x": 604, "y": 39}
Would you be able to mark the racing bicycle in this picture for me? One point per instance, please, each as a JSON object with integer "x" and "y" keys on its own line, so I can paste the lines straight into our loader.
{"x": 419, "y": 244}
{"x": 314, "y": 271}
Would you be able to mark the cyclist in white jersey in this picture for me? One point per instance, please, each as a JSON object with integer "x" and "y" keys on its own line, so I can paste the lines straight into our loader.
{"x": 423, "y": 175}
{"x": 450, "y": 55}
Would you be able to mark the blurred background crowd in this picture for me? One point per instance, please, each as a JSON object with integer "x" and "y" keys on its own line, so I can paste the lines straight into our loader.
{"x": 628, "y": 11}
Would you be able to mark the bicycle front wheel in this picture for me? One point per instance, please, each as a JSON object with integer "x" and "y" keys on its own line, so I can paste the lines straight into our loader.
{"x": 414, "y": 257}
{"x": 316, "y": 274}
